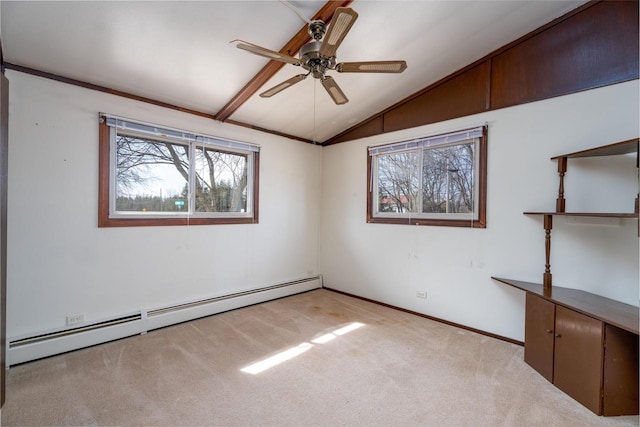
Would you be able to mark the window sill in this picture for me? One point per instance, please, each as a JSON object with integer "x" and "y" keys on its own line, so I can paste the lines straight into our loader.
{"x": 430, "y": 221}
{"x": 161, "y": 222}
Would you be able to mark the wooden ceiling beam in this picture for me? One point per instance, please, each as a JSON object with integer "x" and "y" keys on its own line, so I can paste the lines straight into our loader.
{"x": 291, "y": 48}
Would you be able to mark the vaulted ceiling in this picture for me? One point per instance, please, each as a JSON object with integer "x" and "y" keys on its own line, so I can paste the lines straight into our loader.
{"x": 179, "y": 52}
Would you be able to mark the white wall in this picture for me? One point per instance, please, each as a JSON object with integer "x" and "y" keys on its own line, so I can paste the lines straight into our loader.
{"x": 388, "y": 263}
{"x": 61, "y": 263}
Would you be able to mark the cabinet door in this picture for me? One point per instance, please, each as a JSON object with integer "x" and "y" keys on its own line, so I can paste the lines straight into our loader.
{"x": 578, "y": 357}
{"x": 538, "y": 335}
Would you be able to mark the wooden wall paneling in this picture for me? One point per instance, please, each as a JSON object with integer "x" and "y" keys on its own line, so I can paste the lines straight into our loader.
{"x": 374, "y": 126}
{"x": 462, "y": 95}
{"x": 593, "y": 48}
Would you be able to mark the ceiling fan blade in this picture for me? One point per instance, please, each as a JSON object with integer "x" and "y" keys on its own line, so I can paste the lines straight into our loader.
{"x": 372, "y": 67}
{"x": 268, "y": 53}
{"x": 340, "y": 25}
{"x": 282, "y": 86}
{"x": 334, "y": 90}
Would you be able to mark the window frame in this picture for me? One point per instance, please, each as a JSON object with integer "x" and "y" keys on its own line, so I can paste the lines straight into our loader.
{"x": 106, "y": 183}
{"x": 447, "y": 220}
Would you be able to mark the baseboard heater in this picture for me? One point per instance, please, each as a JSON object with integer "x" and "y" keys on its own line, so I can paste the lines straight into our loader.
{"x": 49, "y": 343}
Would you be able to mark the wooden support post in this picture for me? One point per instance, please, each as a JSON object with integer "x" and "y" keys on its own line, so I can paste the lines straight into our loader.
{"x": 562, "y": 169}
{"x": 546, "y": 277}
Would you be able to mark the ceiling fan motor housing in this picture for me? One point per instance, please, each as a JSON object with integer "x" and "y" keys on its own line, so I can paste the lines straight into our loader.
{"x": 313, "y": 61}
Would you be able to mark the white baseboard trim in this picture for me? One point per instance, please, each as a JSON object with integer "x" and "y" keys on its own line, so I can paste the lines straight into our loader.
{"x": 39, "y": 345}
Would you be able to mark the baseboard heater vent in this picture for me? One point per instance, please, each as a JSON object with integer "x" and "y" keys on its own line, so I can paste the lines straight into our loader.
{"x": 177, "y": 313}
{"x": 164, "y": 310}
{"x": 49, "y": 343}
{"x": 78, "y": 330}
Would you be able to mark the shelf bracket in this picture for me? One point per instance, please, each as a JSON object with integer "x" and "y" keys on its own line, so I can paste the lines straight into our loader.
{"x": 562, "y": 169}
{"x": 546, "y": 277}
{"x": 636, "y": 208}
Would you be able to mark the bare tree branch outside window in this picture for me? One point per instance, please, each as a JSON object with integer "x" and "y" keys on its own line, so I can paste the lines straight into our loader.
{"x": 448, "y": 179}
{"x": 398, "y": 182}
{"x": 153, "y": 176}
{"x": 221, "y": 184}
{"x": 444, "y": 185}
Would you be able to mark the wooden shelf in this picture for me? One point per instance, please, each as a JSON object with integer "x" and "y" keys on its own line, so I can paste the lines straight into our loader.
{"x": 591, "y": 214}
{"x": 621, "y": 315}
{"x": 615, "y": 149}
{"x": 624, "y": 147}
{"x": 567, "y": 330}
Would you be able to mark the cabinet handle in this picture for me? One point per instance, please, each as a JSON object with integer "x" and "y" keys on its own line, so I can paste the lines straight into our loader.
{"x": 549, "y": 331}
{"x": 557, "y": 335}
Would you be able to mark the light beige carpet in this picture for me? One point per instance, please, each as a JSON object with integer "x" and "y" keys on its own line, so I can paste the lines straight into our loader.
{"x": 343, "y": 362}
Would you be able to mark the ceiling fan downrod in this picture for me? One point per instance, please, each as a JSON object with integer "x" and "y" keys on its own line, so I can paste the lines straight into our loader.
{"x": 317, "y": 29}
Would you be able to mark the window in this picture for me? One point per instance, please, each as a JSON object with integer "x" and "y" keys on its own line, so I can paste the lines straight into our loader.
{"x": 435, "y": 180}
{"x": 159, "y": 176}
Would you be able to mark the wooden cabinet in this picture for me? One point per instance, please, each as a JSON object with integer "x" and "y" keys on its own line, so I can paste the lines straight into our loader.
{"x": 585, "y": 344}
{"x": 592, "y": 361}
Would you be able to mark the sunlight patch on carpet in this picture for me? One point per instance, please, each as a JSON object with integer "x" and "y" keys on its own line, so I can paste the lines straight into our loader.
{"x": 283, "y": 356}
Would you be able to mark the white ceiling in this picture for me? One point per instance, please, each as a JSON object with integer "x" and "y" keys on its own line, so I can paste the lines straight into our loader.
{"x": 179, "y": 52}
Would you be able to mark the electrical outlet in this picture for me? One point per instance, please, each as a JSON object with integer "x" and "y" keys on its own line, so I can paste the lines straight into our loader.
{"x": 75, "y": 319}
{"x": 421, "y": 294}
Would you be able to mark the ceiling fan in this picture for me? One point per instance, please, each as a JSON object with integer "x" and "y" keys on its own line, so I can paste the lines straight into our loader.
{"x": 319, "y": 56}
